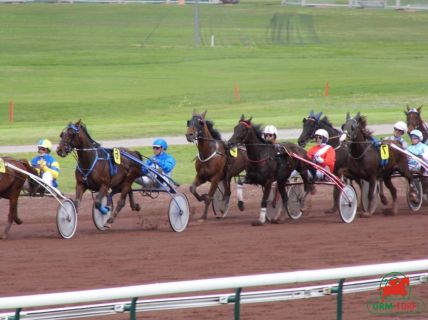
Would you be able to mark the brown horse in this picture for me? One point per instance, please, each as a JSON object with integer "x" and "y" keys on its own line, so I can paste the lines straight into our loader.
{"x": 268, "y": 163}
{"x": 414, "y": 121}
{"x": 365, "y": 161}
{"x": 11, "y": 182}
{"x": 214, "y": 162}
{"x": 96, "y": 170}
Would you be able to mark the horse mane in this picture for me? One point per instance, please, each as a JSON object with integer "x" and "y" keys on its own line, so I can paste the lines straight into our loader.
{"x": 258, "y": 131}
{"x": 85, "y": 130}
{"x": 214, "y": 132}
{"x": 362, "y": 124}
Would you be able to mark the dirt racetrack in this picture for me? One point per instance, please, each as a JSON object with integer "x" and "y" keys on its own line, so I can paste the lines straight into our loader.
{"x": 142, "y": 249}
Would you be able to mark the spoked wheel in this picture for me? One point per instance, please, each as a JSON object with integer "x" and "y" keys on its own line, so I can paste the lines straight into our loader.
{"x": 365, "y": 195}
{"x": 348, "y": 204}
{"x": 178, "y": 212}
{"x": 66, "y": 219}
{"x": 296, "y": 201}
{"x": 220, "y": 204}
{"x": 274, "y": 204}
{"x": 99, "y": 218}
{"x": 414, "y": 195}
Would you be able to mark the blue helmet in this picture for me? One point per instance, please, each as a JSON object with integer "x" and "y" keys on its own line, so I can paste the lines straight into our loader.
{"x": 160, "y": 143}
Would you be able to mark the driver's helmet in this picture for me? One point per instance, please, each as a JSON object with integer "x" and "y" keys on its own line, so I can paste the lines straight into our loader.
{"x": 45, "y": 143}
{"x": 400, "y": 125}
{"x": 160, "y": 143}
{"x": 323, "y": 133}
{"x": 270, "y": 130}
{"x": 417, "y": 134}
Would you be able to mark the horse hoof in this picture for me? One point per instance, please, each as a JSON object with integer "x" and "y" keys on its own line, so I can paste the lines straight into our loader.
{"x": 365, "y": 215}
{"x": 18, "y": 221}
{"x": 107, "y": 225}
{"x": 241, "y": 206}
{"x": 137, "y": 207}
{"x": 3, "y": 237}
{"x": 276, "y": 221}
{"x": 257, "y": 223}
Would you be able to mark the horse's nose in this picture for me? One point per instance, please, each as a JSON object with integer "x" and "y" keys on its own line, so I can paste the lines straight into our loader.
{"x": 301, "y": 143}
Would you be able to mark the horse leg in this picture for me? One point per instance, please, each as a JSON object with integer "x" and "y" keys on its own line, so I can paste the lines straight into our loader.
{"x": 196, "y": 183}
{"x": 240, "y": 194}
{"x": 336, "y": 194}
{"x": 371, "y": 196}
{"x": 388, "y": 183}
{"x": 262, "y": 216}
{"x": 134, "y": 206}
{"x": 382, "y": 196}
{"x": 80, "y": 189}
{"x": 208, "y": 198}
{"x": 284, "y": 197}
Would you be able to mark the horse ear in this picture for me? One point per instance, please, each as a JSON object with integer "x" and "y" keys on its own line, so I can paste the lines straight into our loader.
{"x": 242, "y": 117}
{"x": 78, "y": 122}
{"x": 358, "y": 115}
{"x": 318, "y": 116}
{"x": 407, "y": 106}
{"x": 249, "y": 120}
{"x": 420, "y": 109}
{"x": 193, "y": 112}
{"x": 348, "y": 116}
{"x": 311, "y": 113}
{"x": 304, "y": 120}
{"x": 204, "y": 114}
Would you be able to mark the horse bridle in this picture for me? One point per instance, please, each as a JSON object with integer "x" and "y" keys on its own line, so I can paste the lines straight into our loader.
{"x": 68, "y": 145}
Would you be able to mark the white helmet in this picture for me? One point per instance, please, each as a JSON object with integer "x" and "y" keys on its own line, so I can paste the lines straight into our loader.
{"x": 270, "y": 130}
{"x": 44, "y": 143}
{"x": 417, "y": 133}
{"x": 401, "y": 125}
{"x": 322, "y": 133}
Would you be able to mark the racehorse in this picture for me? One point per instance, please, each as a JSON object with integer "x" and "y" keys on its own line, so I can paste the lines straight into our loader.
{"x": 268, "y": 162}
{"x": 11, "y": 182}
{"x": 311, "y": 124}
{"x": 365, "y": 161}
{"x": 96, "y": 169}
{"x": 214, "y": 162}
{"x": 414, "y": 121}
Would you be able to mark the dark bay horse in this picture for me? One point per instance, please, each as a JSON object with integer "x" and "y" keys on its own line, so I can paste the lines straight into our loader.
{"x": 311, "y": 124}
{"x": 365, "y": 160}
{"x": 268, "y": 162}
{"x": 414, "y": 121}
{"x": 214, "y": 162}
{"x": 96, "y": 170}
{"x": 11, "y": 183}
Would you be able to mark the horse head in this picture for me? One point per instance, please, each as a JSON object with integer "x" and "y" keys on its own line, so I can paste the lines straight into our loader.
{"x": 352, "y": 126}
{"x": 195, "y": 126}
{"x": 69, "y": 139}
{"x": 310, "y": 125}
{"x": 414, "y": 120}
{"x": 241, "y": 131}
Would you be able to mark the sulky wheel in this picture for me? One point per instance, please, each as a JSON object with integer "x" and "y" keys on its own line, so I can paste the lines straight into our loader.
{"x": 347, "y": 204}
{"x": 296, "y": 201}
{"x": 365, "y": 195}
{"x": 414, "y": 195}
{"x": 219, "y": 204}
{"x": 178, "y": 212}
{"x": 100, "y": 219}
{"x": 274, "y": 204}
{"x": 66, "y": 219}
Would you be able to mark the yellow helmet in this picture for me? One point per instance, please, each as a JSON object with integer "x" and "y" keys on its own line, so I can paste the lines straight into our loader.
{"x": 45, "y": 143}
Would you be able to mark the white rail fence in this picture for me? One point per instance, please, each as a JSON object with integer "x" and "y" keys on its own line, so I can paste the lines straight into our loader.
{"x": 18, "y": 303}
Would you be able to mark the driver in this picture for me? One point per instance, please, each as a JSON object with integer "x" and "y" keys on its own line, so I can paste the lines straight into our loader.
{"x": 161, "y": 161}
{"x": 45, "y": 164}
{"x": 270, "y": 134}
{"x": 322, "y": 154}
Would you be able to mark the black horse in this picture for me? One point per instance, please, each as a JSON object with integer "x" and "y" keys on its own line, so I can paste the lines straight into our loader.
{"x": 365, "y": 160}
{"x": 268, "y": 162}
{"x": 311, "y": 124}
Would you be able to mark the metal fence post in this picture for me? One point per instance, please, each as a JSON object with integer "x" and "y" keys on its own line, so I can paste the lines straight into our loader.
{"x": 339, "y": 309}
{"x": 133, "y": 312}
{"x": 238, "y": 303}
